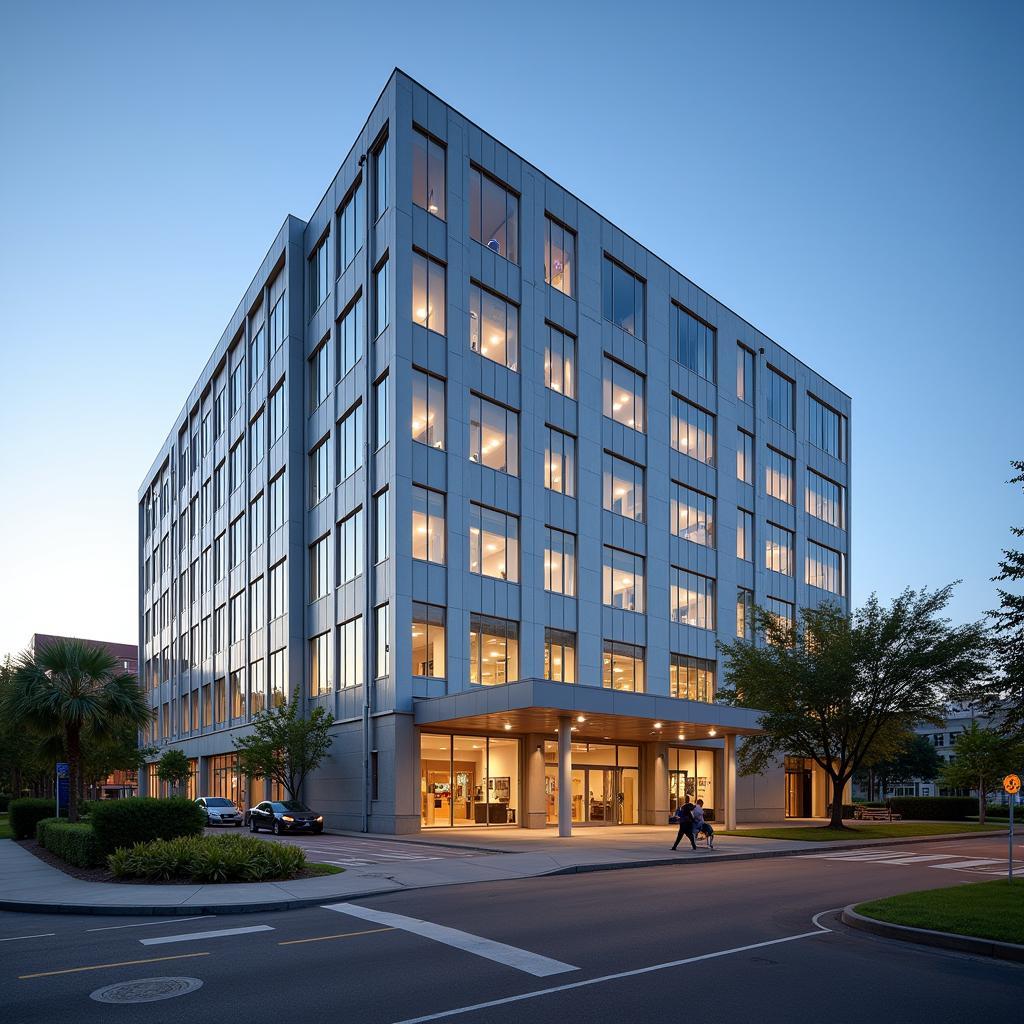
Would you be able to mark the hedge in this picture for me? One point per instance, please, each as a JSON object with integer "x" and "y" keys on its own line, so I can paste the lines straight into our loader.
{"x": 5, "y": 799}
{"x": 849, "y": 811}
{"x": 140, "y": 819}
{"x": 26, "y": 813}
{"x": 208, "y": 859}
{"x": 75, "y": 844}
{"x": 934, "y": 808}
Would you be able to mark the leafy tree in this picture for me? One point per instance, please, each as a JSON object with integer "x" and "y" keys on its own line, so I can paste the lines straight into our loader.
{"x": 983, "y": 757}
{"x": 23, "y": 765}
{"x": 912, "y": 757}
{"x": 284, "y": 745}
{"x": 830, "y": 685}
{"x": 75, "y": 692}
{"x": 174, "y": 769}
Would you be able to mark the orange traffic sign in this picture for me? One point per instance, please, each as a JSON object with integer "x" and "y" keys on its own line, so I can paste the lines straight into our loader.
{"x": 1012, "y": 784}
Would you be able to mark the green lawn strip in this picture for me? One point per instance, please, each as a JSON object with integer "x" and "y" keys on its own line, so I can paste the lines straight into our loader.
{"x": 874, "y": 830}
{"x": 5, "y": 827}
{"x": 984, "y": 910}
{"x": 324, "y": 869}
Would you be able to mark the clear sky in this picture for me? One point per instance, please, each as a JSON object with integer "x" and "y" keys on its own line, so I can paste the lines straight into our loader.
{"x": 847, "y": 176}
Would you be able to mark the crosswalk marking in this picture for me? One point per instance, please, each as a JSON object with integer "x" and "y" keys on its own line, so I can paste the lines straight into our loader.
{"x": 215, "y": 934}
{"x": 980, "y": 865}
{"x": 965, "y": 864}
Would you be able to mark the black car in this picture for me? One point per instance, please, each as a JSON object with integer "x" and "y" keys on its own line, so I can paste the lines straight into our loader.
{"x": 279, "y": 816}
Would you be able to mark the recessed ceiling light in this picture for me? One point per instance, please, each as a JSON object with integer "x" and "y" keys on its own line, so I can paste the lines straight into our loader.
{"x": 580, "y": 718}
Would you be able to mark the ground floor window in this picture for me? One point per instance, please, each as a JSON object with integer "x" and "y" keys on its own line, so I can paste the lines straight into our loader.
{"x": 799, "y": 787}
{"x": 468, "y": 780}
{"x": 605, "y": 783}
{"x": 691, "y": 774}
{"x": 227, "y": 780}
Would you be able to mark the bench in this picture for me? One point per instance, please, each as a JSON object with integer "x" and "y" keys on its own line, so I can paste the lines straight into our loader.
{"x": 876, "y": 814}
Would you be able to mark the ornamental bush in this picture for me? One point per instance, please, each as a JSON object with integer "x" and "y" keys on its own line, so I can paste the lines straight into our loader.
{"x": 934, "y": 808}
{"x": 26, "y": 813}
{"x": 140, "y": 819}
{"x": 74, "y": 843}
{"x": 208, "y": 859}
{"x": 5, "y": 799}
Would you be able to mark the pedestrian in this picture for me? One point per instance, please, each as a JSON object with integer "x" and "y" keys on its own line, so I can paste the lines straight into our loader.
{"x": 700, "y": 825}
{"x": 684, "y": 815}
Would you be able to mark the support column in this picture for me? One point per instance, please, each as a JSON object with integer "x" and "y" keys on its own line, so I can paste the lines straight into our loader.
{"x": 534, "y": 813}
{"x": 730, "y": 781}
{"x": 565, "y": 776}
{"x": 654, "y": 782}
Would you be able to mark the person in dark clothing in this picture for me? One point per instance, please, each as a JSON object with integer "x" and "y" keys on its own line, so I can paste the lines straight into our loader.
{"x": 684, "y": 814}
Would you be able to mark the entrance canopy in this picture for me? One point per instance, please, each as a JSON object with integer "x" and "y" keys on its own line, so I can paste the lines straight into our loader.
{"x": 536, "y": 705}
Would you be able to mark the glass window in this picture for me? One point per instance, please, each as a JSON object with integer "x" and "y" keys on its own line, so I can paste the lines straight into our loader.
{"x": 383, "y": 666}
{"x": 380, "y": 504}
{"x": 351, "y": 441}
{"x": 237, "y": 383}
{"x": 622, "y": 667}
{"x": 560, "y": 562}
{"x": 278, "y": 583}
{"x": 351, "y": 539}
{"x": 744, "y": 535}
{"x": 350, "y": 329}
{"x": 350, "y": 653}
{"x": 320, "y": 472}
{"x": 319, "y": 281}
{"x": 695, "y": 343}
{"x": 744, "y": 457}
{"x": 780, "y": 398}
{"x": 320, "y": 665}
{"x": 826, "y": 428}
{"x": 623, "y": 487}
{"x": 623, "y": 580}
{"x": 428, "y": 191}
{"x": 380, "y": 394}
{"x": 560, "y": 362}
{"x": 380, "y": 176}
{"x": 783, "y": 612}
{"x": 351, "y": 226}
{"x": 493, "y": 543}
{"x": 278, "y": 679}
{"x": 744, "y": 614}
{"x": 236, "y": 466}
{"x": 257, "y": 441}
{"x": 623, "y": 395}
{"x": 428, "y": 294}
{"x": 257, "y": 606}
{"x": 778, "y": 478}
{"x": 744, "y": 375}
{"x": 493, "y": 327}
{"x": 320, "y": 379}
{"x": 428, "y": 410}
{"x": 220, "y": 700}
{"x": 319, "y": 572}
{"x": 236, "y": 540}
{"x": 493, "y": 215}
{"x": 278, "y": 325}
{"x": 493, "y": 650}
{"x": 825, "y": 568}
{"x": 277, "y": 508}
{"x": 693, "y": 431}
{"x": 693, "y": 515}
{"x": 428, "y": 525}
{"x": 559, "y": 255}
{"x": 560, "y": 462}
{"x": 692, "y": 599}
{"x": 692, "y": 678}
{"x": 428, "y": 640}
{"x": 257, "y": 353}
{"x": 778, "y": 549}
{"x": 622, "y": 298}
{"x": 236, "y": 623}
{"x": 380, "y": 289}
{"x": 276, "y": 411}
{"x": 559, "y": 655}
{"x": 824, "y": 499}
{"x": 493, "y": 435}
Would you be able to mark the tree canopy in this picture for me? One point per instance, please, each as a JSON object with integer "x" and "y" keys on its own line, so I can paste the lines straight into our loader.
{"x": 983, "y": 757}
{"x": 173, "y": 768}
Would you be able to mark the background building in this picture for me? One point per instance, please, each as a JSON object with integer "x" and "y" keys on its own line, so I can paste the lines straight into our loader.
{"x": 471, "y": 468}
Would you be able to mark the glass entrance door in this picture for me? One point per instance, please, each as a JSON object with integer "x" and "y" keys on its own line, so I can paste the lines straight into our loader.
{"x": 678, "y": 787}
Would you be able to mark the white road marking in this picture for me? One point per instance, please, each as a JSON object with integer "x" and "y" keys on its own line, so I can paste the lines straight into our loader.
{"x": 150, "y": 924}
{"x": 820, "y": 930}
{"x": 920, "y": 858}
{"x": 191, "y": 936}
{"x": 40, "y": 935}
{"x": 859, "y": 855}
{"x": 965, "y": 864}
{"x": 511, "y": 956}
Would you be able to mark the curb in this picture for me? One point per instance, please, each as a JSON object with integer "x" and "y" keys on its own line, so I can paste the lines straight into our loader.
{"x": 940, "y": 940}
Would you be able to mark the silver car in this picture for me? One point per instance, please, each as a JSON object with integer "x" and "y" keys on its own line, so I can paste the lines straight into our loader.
{"x": 220, "y": 811}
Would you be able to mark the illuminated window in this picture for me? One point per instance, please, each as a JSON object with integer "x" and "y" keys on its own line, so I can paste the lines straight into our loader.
{"x": 493, "y": 435}
{"x": 560, "y": 562}
{"x": 693, "y": 515}
{"x": 744, "y": 535}
{"x": 428, "y": 187}
{"x": 622, "y": 298}
{"x": 825, "y": 568}
{"x": 782, "y": 612}
{"x": 350, "y": 653}
{"x": 778, "y": 476}
{"x": 692, "y": 599}
{"x": 493, "y": 215}
{"x": 278, "y": 585}
{"x": 623, "y": 487}
{"x": 493, "y": 327}
{"x": 559, "y": 655}
{"x": 780, "y": 398}
{"x": 623, "y": 395}
{"x": 744, "y": 614}
{"x": 623, "y": 580}
{"x": 428, "y": 525}
{"x": 744, "y": 375}
{"x": 493, "y": 650}
{"x": 694, "y": 343}
{"x": 493, "y": 543}
{"x": 824, "y": 499}
{"x": 559, "y": 255}
{"x": 692, "y": 678}
{"x": 560, "y": 462}
{"x": 693, "y": 431}
{"x": 779, "y": 549}
{"x": 428, "y": 640}
{"x": 622, "y": 667}
{"x": 428, "y": 409}
{"x": 744, "y": 457}
{"x": 320, "y": 665}
{"x": 560, "y": 362}
{"x": 428, "y": 294}
{"x": 278, "y": 678}
{"x": 319, "y": 568}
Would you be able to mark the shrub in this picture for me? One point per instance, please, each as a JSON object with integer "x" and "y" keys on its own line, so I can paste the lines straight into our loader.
{"x": 5, "y": 799}
{"x": 85, "y": 808}
{"x": 75, "y": 844}
{"x": 934, "y": 808}
{"x": 26, "y": 813}
{"x": 849, "y": 811}
{"x": 140, "y": 819}
{"x": 208, "y": 859}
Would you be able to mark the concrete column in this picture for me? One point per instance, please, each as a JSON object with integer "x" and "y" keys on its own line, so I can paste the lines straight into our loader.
{"x": 534, "y": 813}
{"x": 730, "y": 781}
{"x": 203, "y": 779}
{"x": 405, "y": 740}
{"x": 565, "y": 776}
{"x": 654, "y": 804}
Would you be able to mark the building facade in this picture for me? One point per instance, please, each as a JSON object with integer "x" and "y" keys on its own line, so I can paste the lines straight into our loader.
{"x": 485, "y": 478}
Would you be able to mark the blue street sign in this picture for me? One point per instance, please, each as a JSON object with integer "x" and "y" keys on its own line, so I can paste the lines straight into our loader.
{"x": 63, "y": 774}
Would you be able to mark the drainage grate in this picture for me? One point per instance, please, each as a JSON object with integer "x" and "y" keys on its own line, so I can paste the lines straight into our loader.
{"x": 145, "y": 990}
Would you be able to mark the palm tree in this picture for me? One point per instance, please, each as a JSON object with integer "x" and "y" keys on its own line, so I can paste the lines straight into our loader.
{"x": 75, "y": 691}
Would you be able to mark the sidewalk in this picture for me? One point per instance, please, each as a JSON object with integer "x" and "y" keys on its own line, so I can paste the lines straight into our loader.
{"x": 27, "y": 884}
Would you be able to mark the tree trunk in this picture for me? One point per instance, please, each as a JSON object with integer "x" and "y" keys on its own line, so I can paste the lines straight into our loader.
{"x": 838, "y": 784}
{"x": 981, "y": 801}
{"x": 74, "y": 769}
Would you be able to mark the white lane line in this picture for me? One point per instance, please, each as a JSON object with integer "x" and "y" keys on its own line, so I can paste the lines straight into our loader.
{"x": 39, "y": 935}
{"x": 821, "y": 930}
{"x": 965, "y": 864}
{"x": 511, "y": 956}
{"x": 866, "y": 857}
{"x": 206, "y": 935}
{"x": 150, "y": 924}
{"x": 920, "y": 858}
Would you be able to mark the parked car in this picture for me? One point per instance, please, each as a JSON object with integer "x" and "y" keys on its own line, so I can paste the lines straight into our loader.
{"x": 279, "y": 816}
{"x": 220, "y": 811}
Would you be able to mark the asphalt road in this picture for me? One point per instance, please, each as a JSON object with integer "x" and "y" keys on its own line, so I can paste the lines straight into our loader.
{"x": 754, "y": 941}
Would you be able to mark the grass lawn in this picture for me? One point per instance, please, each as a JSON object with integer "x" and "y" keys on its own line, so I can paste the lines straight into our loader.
{"x": 865, "y": 830}
{"x": 5, "y": 827}
{"x": 986, "y": 910}
{"x": 324, "y": 869}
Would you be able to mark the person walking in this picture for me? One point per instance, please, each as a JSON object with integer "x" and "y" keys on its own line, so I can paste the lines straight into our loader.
{"x": 684, "y": 815}
{"x": 701, "y": 826}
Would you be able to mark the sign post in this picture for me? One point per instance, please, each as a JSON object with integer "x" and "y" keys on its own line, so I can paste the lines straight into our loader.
{"x": 1012, "y": 786}
{"x": 63, "y": 774}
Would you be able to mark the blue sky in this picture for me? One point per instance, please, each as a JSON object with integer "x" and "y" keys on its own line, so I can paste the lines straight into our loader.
{"x": 847, "y": 176}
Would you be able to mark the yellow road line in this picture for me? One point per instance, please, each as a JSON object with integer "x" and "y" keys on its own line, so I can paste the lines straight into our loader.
{"x": 121, "y": 963}
{"x": 343, "y": 935}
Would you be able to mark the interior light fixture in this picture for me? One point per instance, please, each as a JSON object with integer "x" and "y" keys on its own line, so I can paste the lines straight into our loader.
{"x": 508, "y": 725}
{"x": 657, "y": 725}
{"x": 580, "y": 718}
{"x": 712, "y": 732}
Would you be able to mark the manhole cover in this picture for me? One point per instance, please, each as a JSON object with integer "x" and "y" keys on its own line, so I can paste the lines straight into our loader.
{"x": 145, "y": 990}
